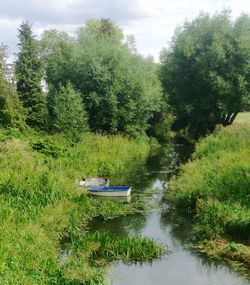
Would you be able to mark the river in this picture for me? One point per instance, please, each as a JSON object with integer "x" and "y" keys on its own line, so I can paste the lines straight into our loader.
{"x": 181, "y": 265}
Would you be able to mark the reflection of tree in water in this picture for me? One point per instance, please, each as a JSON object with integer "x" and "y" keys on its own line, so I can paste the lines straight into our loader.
{"x": 123, "y": 226}
{"x": 181, "y": 232}
{"x": 164, "y": 163}
{"x": 158, "y": 166}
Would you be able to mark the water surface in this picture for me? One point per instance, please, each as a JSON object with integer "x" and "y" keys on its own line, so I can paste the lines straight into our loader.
{"x": 182, "y": 265}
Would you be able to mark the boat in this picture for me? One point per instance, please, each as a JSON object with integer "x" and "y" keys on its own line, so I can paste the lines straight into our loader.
{"x": 111, "y": 191}
{"x": 94, "y": 181}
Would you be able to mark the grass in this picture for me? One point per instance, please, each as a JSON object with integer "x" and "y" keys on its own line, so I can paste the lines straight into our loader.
{"x": 109, "y": 247}
{"x": 214, "y": 186}
{"x": 41, "y": 205}
{"x": 243, "y": 118}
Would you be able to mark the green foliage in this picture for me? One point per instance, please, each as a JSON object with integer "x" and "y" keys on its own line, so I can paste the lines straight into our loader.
{"x": 51, "y": 40}
{"x": 28, "y": 71}
{"x": 48, "y": 147}
{"x": 121, "y": 90}
{"x": 67, "y": 112}
{"x": 55, "y": 49}
{"x": 206, "y": 72}
{"x": 101, "y": 29}
{"x": 11, "y": 111}
{"x": 161, "y": 123}
{"x": 108, "y": 156}
{"x": 215, "y": 186}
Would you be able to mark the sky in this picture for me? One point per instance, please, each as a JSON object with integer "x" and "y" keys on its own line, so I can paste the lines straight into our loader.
{"x": 152, "y": 22}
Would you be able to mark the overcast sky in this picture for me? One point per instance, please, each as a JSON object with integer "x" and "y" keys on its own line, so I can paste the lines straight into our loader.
{"x": 152, "y": 22}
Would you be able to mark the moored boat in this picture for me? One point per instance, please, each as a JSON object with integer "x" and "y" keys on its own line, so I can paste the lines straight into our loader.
{"x": 95, "y": 181}
{"x": 111, "y": 191}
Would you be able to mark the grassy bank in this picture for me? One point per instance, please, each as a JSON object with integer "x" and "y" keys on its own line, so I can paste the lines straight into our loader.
{"x": 243, "y": 118}
{"x": 42, "y": 206}
{"x": 214, "y": 187}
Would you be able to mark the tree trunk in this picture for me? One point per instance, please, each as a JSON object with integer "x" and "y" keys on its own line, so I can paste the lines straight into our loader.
{"x": 233, "y": 117}
{"x": 229, "y": 119}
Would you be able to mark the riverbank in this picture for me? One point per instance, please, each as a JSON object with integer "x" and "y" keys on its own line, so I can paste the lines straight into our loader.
{"x": 44, "y": 213}
{"x": 214, "y": 188}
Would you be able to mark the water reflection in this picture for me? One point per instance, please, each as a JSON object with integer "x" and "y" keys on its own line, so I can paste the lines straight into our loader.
{"x": 121, "y": 226}
{"x": 182, "y": 265}
{"x": 120, "y": 199}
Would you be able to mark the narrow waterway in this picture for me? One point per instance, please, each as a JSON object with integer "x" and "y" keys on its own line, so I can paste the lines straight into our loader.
{"x": 181, "y": 265}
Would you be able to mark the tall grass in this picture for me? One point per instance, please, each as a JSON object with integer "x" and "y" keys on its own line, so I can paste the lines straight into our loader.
{"x": 41, "y": 202}
{"x": 215, "y": 187}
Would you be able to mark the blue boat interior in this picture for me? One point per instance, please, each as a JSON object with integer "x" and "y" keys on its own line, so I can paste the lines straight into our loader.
{"x": 108, "y": 188}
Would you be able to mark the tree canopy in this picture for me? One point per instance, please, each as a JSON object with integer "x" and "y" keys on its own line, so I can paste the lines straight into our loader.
{"x": 205, "y": 72}
{"x": 121, "y": 90}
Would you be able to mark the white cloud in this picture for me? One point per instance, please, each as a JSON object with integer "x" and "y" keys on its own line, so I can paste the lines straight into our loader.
{"x": 152, "y": 22}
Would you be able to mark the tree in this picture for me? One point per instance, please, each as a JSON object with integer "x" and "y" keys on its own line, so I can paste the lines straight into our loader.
{"x": 57, "y": 56}
{"x": 29, "y": 76}
{"x": 67, "y": 112}
{"x": 120, "y": 89}
{"x": 99, "y": 30}
{"x": 11, "y": 110}
{"x": 206, "y": 70}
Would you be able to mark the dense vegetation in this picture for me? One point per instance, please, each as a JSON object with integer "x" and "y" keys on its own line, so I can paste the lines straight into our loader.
{"x": 44, "y": 213}
{"x": 89, "y": 105}
{"x": 206, "y": 72}
{"x": 60, "y": 94}
{"x": 98, "y": 77}
{"x": 214, "y": 188}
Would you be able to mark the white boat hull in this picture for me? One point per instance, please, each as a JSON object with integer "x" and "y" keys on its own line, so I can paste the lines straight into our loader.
{"x": 98, "y": 181}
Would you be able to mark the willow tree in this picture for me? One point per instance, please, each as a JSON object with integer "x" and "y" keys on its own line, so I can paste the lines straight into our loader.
{"x": 206, "y": 71}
